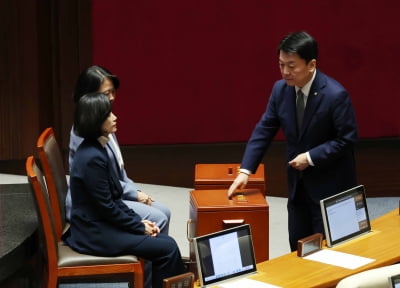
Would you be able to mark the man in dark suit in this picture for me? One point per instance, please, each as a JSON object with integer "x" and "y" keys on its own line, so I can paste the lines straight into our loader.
{"x": 318, "y": 121}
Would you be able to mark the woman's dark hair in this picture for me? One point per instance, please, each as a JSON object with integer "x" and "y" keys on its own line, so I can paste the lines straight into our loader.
{"x": 90, "y": 80}
{"x": 301, "y": 43}
{"x": 90, "y": 112}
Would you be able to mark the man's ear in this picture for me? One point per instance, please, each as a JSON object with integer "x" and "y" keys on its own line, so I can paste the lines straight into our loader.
{"x": 312, "y": 65}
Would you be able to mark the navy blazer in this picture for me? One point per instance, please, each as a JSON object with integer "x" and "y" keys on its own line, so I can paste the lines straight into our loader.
{"x": 328, "y": 133}
{"x": 101, "y": 223}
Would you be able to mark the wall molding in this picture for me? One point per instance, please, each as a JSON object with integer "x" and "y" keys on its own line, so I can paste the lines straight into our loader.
{"x": 377, "y": 160}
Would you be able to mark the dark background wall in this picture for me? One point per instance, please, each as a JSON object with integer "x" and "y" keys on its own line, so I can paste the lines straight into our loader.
{"x": 44, "y": 44}
{"x": 202, "y": 71}
{"x": 195, "y": 76}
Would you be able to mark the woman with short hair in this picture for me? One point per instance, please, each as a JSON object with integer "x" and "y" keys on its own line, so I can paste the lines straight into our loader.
{"x": 101, "y": 223}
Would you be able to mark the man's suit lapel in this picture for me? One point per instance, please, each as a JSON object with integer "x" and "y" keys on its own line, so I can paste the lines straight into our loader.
{"x": 313, "y": 101}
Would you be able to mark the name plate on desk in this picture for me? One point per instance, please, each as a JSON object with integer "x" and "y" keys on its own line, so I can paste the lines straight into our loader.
{"x": 309, "y": 245}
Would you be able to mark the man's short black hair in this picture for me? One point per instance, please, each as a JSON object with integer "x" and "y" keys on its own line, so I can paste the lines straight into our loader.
{"x": 301, "y": 43}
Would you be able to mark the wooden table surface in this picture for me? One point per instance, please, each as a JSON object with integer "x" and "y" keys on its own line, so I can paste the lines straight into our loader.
{"x": 290, "y": 271}
{"x": 382, "y": 244}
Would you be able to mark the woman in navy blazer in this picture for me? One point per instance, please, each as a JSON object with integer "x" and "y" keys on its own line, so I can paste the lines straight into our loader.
{"x": 101, "y": 223}
{"x": 100, "y": 79}
{"x": 319, "y": 150}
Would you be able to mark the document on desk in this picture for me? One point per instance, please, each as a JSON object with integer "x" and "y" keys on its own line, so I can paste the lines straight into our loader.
{"x": 340, "y": 259}
{"x": 248, "y": 283}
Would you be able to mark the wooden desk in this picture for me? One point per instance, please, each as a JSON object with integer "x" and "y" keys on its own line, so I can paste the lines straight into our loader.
{"x": 221, "y": 176}
{"x": 382, "y": 245}
{"x": 211, "y": 211}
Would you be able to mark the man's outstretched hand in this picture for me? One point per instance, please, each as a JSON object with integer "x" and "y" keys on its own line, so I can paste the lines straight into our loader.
{"x": 240, "y": 182}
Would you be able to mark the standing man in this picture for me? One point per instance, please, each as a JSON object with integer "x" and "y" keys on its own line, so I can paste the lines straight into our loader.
{"x": 319, "y": 124}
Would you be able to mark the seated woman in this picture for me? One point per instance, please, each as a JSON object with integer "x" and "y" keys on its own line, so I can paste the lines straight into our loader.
{"x": 101, "y": 223}
{"x": 100, "y": 79}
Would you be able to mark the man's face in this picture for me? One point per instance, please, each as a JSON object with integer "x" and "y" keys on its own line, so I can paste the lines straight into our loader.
{"x": 295, "y": 71}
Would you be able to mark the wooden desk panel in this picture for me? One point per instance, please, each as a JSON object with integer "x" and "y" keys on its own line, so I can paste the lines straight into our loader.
{"x": 211, "y": 210}
{"x": 221, "y": 176}
{"x": 292, "y": 271}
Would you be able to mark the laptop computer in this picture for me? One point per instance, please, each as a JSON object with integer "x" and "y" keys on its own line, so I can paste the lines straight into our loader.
{"x": 225, "y": 255}
{"x": 345, "y": 215}
{"x": 394, "y": 281}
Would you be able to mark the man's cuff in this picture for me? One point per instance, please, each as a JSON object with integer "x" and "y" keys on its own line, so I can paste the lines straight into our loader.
{"x": 309, "y": 159}
{"x": 245, "y": 171}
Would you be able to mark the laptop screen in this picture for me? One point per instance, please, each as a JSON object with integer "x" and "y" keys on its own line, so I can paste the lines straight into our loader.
{"x": 224, "y": 255}
{"x": 345, "y": 215}
{"x": 394, "y": 281}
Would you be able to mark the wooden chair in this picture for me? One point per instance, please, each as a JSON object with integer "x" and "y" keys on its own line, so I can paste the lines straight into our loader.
{"x": 185, "y": 280}
{"x": 61, "y": 260}
{"x": 56, "y": 179}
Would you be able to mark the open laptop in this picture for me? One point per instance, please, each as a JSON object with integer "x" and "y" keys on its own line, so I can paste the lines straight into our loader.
{"x": 394, "y": 281}
{"x": 345, "y": 215}
{"x": 225, "y": 255}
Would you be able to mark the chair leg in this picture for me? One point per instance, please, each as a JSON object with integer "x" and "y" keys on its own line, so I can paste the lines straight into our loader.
{"x": 52, "y": 281}
{"x": 138, "y": 276}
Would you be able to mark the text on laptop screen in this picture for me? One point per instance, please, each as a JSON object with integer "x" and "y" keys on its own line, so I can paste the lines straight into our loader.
{"x": 394, "y": 281}
{"x": 345, "y": 215}
{"x": 225, "y": 254}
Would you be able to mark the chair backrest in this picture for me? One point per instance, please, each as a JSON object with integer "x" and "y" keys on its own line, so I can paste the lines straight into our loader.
{"x": 45, "y": 215}
{"x": 185, "y": 280}
{"x": 56, "y": 179}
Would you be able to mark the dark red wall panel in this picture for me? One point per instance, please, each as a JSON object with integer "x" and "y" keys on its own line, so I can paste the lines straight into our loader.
{"x": 201, "y": 71}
